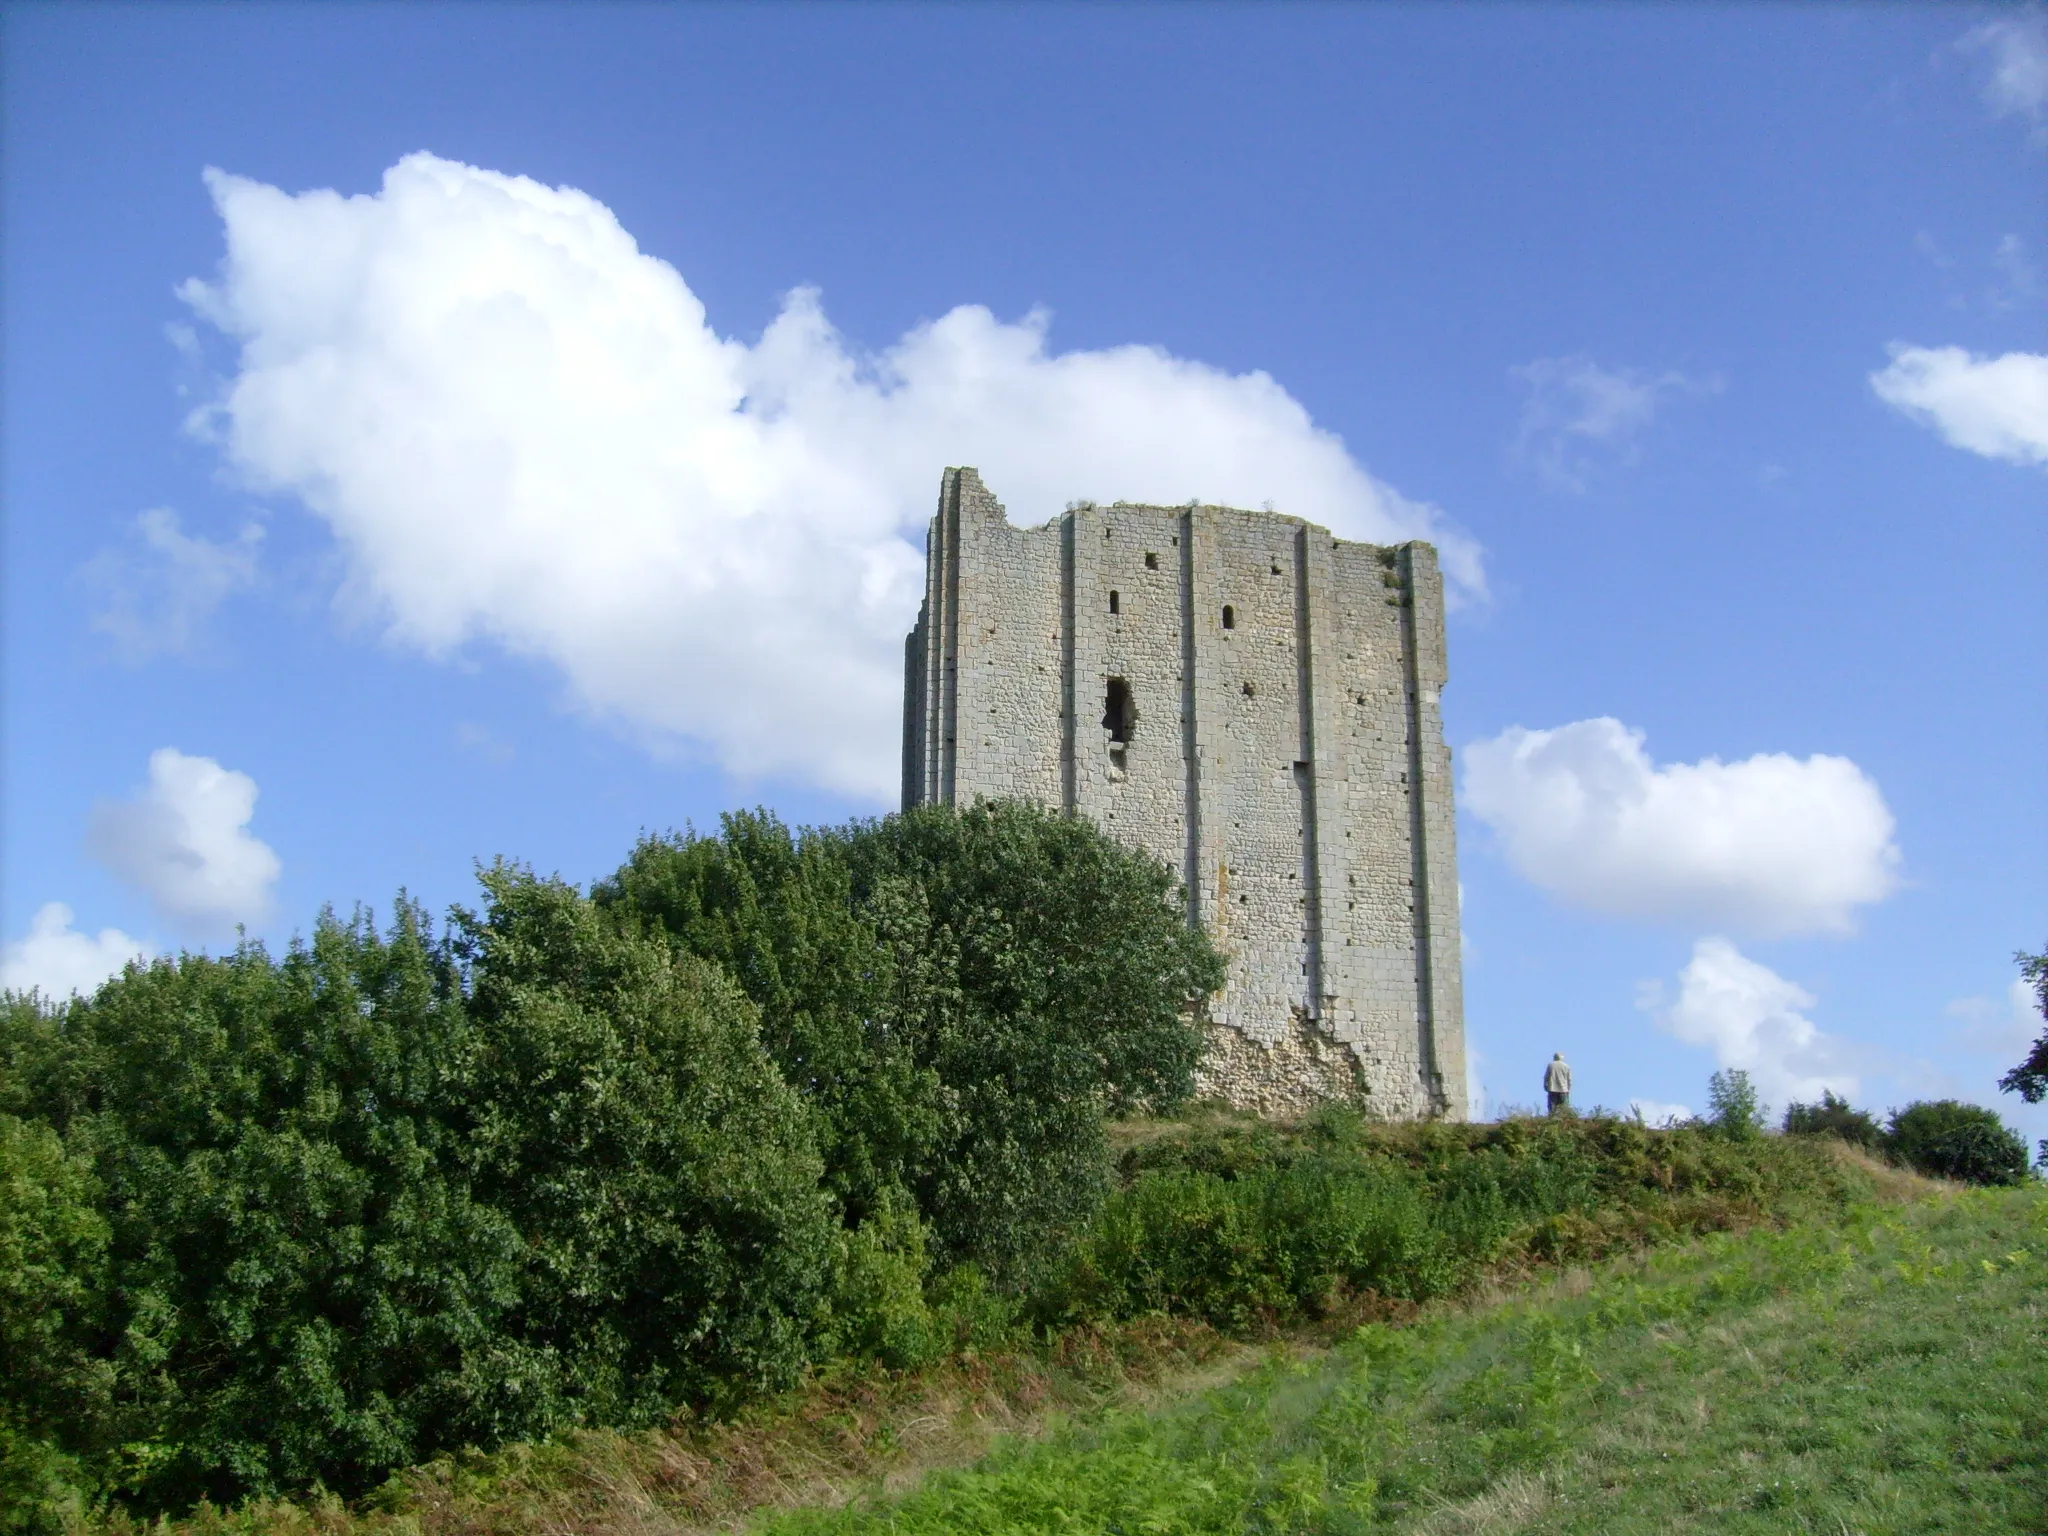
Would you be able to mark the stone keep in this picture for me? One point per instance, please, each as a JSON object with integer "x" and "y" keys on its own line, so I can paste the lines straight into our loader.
{"x": 1254, "y": 701}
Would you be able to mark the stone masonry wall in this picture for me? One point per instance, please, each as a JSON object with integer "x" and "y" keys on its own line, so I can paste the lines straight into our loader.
{"x": 1257, "y": 703}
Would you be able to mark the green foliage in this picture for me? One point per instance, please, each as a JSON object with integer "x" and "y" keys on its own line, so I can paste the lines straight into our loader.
{"x": 53, "y": 1260}
{"x": 879, "y": 1310}
{"x": 1947, "y": 1139}
{"x": 1873, "y": 1372}
{"x": 2030, "y": 1078}
{"x": 964, "y": 994}
{"x": 390, "y": 1195}
{"x": 1251, "y": 1224}
{"x": 280, "y": 1223}
{"x": 832, "y": 977}
{"x": 1837, "y": 1117}
{"x": 1732, "y": 1105}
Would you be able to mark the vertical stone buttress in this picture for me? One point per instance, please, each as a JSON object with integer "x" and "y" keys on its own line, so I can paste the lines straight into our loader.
{"x": 1254, "y": 701}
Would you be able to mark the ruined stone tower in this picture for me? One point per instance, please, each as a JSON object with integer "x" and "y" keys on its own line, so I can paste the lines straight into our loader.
{"x": 1255, "y": 702}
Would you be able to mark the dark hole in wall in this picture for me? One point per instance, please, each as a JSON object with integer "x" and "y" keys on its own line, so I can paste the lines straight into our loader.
{"x": 1229, "y": 617}
{"x": 1112, "y": 601}
{"x": 1119, "y": 713}
{"x": 1151, "y": 560}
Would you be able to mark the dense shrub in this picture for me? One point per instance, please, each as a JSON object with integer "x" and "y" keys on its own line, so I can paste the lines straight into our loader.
{"x": 1249, "y": 1223}
{"x": 1947, "y": 1139}
{"x": 965, "y": 994}
{"x": 1836, "y": 1117}
{"x": 390, "y": 1195}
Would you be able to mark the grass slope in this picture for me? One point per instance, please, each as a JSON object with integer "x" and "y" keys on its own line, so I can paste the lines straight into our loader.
{"x": 1883, "y": 1374}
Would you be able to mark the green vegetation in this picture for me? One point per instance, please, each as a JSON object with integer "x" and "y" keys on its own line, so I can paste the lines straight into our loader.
{"x": 1247, "y": 1224}
{"x": 1880, "y": 1374}
{"x": 964, "y": 997}
{"x": 1947, "y": 1139}
{"x": 706, "y": 1190}
{"x": 1260, "y": 1231}
{"x": 273, "y": 1224}
{"x": 1837, "y": 1117}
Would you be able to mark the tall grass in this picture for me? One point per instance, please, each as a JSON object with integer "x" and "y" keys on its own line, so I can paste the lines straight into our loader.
{"x": 1880, "y": 1373}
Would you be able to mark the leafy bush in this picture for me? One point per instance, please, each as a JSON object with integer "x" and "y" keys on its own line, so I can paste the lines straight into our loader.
{"x": 1251, "y": 1223}
{"x": 1947, "y": 1139}
{"x": 1836, "y": 1117}
{"x": 1732, "y": 1105}
{"x": 964, "y": 994}
{"x": 391, "y": 1195}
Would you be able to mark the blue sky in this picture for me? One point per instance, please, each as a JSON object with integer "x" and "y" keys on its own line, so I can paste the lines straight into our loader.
{"x": 463, "y": 515}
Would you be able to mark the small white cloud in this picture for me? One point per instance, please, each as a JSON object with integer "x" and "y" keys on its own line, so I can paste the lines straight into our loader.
{"x": 1579, "y": 414}
{"x": 1770, "y": 845}
{"x": 55, "y": 959}
{"x": 1754, "y": 1019}
{"x": 2001, "y": 1027}
{"x": 523, "y": 430}
{"x": 2017, "y": 47}
{"x": 1994, "y": 406}
{"x": 1656, "y": 1112}
{"x": 158, "y": 588}
{"x": 185, "y": 840}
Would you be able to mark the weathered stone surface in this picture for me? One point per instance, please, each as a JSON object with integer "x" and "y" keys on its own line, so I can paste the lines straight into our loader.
{"x": 1258, "y": 703}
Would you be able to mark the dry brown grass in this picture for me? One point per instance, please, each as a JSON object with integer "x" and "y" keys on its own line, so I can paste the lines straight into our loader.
{"x": 854, "y": 1434}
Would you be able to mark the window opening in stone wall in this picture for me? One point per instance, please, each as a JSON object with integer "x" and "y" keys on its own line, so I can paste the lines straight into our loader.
{"x": 1229, "y": 617}
{"x": 1119, "y": 713}
{"x": 1250, "y": 691}
{"x": 1276, "y": 570}
{"x": 1151, "y": 560}
{"x": 1112, "y": 600}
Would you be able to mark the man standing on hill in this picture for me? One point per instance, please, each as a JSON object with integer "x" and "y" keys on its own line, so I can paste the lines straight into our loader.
{"x": 1557, "y": 1083}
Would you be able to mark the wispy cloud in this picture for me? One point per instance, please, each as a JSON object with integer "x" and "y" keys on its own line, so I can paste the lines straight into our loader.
{"x": 2015, "y": 49}
{"x": 1578, "y": 416}
{"x": 156, "y": 590}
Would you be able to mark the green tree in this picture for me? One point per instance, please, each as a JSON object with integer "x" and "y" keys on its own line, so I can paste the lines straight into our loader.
{"x": 2030, "y": 1078}
{"x": 1947, "y": 1139}
{"x": 1733, "y": 1108}
{"x": 53, "y": 1299}
{"x": 964, "y": 994}
{"x": 1834, "y": 1116}
{"x": 662, "y": 1177}
{"x": 829, "y": 976}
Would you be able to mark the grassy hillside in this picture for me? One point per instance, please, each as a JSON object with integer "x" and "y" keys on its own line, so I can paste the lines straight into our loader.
{"x": 1883, "y": 1373}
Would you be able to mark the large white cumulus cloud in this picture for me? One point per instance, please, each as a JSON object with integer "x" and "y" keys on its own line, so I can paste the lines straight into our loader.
{"x": 1771, "y": 845}
{"x": 524, "y": 429}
